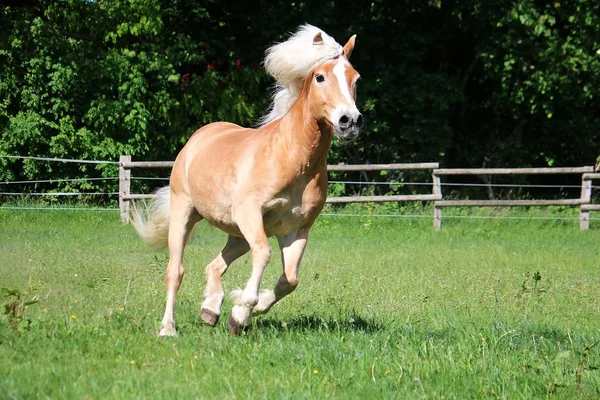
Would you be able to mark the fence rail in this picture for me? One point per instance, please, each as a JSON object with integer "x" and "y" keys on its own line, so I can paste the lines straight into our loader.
{"x": 512, "y": 171}
{"x": 584, "y": 201}
{"x": 126, "y": 165}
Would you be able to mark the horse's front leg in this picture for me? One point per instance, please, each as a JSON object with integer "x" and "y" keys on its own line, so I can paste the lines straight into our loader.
{"x": 248, "y": 217}
{"x": 292, "y": 248}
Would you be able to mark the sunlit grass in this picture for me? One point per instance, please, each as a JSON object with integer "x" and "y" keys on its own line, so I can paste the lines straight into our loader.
{"x": 386, "y": 308}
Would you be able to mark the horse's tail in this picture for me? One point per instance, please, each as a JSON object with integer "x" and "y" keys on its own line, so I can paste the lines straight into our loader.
{"x": 153, "y": 224}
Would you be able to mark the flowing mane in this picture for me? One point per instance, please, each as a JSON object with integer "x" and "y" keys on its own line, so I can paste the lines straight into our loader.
{"x": 290, "y": 62}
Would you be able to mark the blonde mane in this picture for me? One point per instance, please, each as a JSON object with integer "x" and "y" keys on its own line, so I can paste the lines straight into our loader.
{"x": 290, "y": 62}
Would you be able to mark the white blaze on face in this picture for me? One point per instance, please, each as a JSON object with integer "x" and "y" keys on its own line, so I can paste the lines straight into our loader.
{"x": 340, "y": 73}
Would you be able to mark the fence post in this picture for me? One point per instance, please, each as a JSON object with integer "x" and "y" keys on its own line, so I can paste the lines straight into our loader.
{"x": 124, "y": 188}
{"x": 437, "y": 211}
{"x": 586, "y": 198}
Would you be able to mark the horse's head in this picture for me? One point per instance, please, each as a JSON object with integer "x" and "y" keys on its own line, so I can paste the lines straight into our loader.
{"x": 331, "y": 90}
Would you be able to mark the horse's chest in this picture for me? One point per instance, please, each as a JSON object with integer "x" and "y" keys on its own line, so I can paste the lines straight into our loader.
{"x": 284, "y": 214}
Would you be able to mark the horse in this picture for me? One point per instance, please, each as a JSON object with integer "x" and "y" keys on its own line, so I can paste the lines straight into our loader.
{"x": 255, "y": 183}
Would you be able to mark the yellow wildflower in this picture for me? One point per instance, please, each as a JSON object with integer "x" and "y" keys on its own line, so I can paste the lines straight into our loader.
{"x": 73, "y": 317}
{"x": 315, "y": 371}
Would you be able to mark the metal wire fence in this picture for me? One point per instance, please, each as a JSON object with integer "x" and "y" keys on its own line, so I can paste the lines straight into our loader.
{"x": 25, "y": 184}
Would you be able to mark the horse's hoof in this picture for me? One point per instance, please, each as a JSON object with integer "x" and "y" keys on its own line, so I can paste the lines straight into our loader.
{"x": 233, "y": 325}
{"x": 209, "y": 317}
{"x": 167, "y": 332}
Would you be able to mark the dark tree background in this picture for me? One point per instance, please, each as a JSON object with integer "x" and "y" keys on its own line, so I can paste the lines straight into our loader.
{"x": 469, "y": 83}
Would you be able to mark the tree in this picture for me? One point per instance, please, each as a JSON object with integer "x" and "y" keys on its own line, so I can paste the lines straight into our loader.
{"x": 466, "y": 83}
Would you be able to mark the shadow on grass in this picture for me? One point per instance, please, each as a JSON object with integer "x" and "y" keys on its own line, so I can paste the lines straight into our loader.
{"x": 353, "y": 323}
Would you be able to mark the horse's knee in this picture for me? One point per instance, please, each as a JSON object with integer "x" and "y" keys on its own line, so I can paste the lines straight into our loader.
{"x": 174, "y": 274}
{"x": 261, "y": 254}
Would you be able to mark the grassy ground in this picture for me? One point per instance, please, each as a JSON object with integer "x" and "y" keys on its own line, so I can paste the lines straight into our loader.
{"x": 386, "y": 308}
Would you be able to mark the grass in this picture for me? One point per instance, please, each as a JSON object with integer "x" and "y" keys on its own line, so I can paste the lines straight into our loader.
{"x": 386, "y": 308}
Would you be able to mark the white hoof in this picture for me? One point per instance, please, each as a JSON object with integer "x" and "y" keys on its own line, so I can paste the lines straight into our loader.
{"x": 167, "y": 331}
{"x": 241, "y": 315}
{"x": 266, "y": 299}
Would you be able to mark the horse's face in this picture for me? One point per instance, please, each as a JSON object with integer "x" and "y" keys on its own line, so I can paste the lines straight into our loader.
{"x": 332, "y": 95}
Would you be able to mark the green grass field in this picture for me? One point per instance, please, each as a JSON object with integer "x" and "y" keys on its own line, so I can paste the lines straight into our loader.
{"x": 386, "y": 308}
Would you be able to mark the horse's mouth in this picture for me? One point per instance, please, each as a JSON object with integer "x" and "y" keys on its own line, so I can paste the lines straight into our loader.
{"x": 348, "y": 135}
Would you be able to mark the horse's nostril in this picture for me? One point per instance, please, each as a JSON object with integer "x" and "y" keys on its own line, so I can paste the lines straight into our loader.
{"x": 344, "y": 121}
{"x": 359, "y": 121}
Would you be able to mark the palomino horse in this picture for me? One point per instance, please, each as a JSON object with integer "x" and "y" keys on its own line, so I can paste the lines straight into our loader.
{"x": 256, "y": 183}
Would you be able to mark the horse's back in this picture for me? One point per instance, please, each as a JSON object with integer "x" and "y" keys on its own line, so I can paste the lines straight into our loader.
{"x": 223, "y": 137}
{"x": 211, "y": 147}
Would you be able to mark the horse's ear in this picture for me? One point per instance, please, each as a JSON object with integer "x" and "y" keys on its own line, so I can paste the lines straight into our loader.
{"x": 318, "y": 39}
{"x": 348, "y": 47}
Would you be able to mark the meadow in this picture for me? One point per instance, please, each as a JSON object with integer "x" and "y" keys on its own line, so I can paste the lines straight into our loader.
{"x": 386, "y": 308}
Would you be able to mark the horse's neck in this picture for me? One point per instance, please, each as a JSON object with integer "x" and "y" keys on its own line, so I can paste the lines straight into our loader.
{"x": 306, "y": 141}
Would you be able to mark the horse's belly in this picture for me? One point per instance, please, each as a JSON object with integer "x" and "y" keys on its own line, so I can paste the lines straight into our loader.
{"x": 217, "y": 212}
{"x": 230, "y": 229}
{"x": 274, "y": 225}
{"x": 282, "y": 214}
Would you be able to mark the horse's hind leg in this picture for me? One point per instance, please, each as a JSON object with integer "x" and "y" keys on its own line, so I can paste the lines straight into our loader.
{"x": 182, "y": 219}
{"x": 292, "y": 248}
{"x": 211, "y": 307}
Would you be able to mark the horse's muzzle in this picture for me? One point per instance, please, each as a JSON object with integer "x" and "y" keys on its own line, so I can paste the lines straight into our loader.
{"x": 349, "y": 126}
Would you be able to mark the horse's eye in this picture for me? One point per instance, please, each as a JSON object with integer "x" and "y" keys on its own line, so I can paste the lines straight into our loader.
{"x": 320, "y": 78}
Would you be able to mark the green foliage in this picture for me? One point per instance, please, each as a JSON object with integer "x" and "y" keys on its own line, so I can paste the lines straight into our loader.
{"x": 464, "y": 83}
{"x": 95, "y": 80}
{"x": 15, "y": 302}
{"x": 540, "y": 62}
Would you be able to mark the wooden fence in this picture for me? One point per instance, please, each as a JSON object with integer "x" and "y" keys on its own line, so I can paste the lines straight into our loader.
{"x": 584, "y": 201}
{"x": 586, "y": 197}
